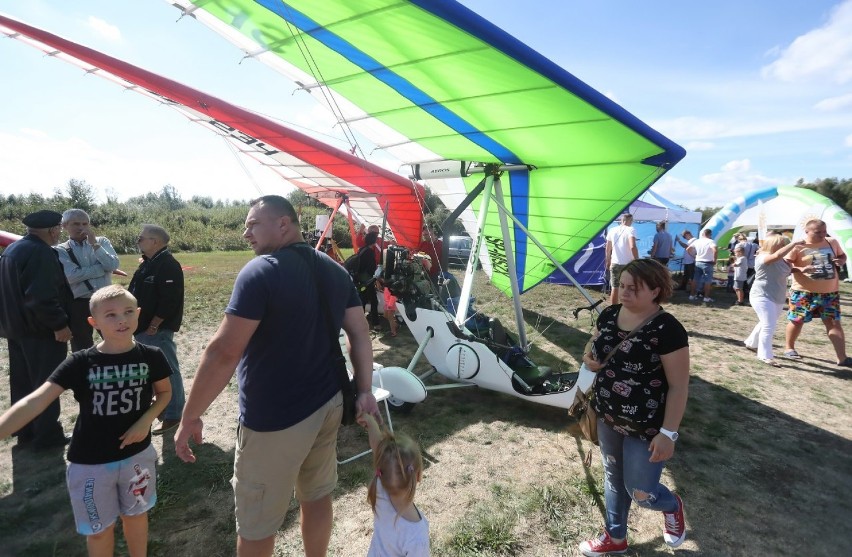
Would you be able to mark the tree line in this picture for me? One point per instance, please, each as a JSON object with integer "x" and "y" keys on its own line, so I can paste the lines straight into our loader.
{"x": 198, "y": 224}
{"x": 202, "y": 224}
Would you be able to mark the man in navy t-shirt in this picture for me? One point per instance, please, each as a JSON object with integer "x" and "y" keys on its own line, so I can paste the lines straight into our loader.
{"x": 276, "y": 335}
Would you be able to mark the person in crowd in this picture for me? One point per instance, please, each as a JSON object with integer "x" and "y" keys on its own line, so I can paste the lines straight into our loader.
{"x": 358, "y": 240}
{"x": 620, "y": 250}
{"x": 704, "y": 252}
{"x": 88, "y": 261}
{"x": 662, "y": 248}
{"x": 815, "y": 290}
{"x": 768, "y": 294}
{"x": 112, "y": 435}
{"x": 399, "y": 528}
{"x": 365, "y": 275}
{"x": 688, "y": 261}
{"x": 729, "y": 287}
{"x": 275, "y": 334}
{"x": 431, "y": 246}
{"x": 158, "y": 285}
{"x": 34, "y": 302}
{"x": 740, "y": 270}
{"x": 640, "y": 396}
{"x": 378, "y": 245}
{"x": 750, "y": 249}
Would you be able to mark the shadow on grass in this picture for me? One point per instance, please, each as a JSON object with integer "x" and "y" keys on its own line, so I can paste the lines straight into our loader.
{"x": 756, "y": 481}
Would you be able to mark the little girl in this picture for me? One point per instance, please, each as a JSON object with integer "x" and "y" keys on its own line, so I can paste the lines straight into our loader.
{"x": 390, "y": 311}
{"x": 399, "y": 528}
{"x": 740, "y": 271}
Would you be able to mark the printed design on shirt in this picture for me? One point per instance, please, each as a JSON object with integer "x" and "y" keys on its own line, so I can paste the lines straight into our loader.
{"x": 117, "y": 389}
{"x": 822, "y": 260}
{"x": 138, "y": 485}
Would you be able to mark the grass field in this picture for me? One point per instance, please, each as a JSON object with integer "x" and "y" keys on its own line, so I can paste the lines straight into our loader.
{"x": 764, "y": 463}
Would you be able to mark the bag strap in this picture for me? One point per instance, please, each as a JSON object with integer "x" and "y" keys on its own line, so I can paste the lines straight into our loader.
{"x": 334, "y": 349}
{"x": 635, "y": 330}
{"x": 77, "y": 263}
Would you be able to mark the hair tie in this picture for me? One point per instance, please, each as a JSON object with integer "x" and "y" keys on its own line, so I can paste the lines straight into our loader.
{"x": 378, "y": 472}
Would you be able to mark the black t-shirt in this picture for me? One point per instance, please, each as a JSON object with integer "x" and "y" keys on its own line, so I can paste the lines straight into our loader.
{"x": 114, "y": 391}
{"x": 630, "y": 391}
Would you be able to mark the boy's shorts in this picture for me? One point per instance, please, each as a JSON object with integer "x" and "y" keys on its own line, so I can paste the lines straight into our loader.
{"x": 101, "y": 492}
{"x": 738, "y": 284}
{"x": 805, "y": 306}
{"x": 268, "y": 464}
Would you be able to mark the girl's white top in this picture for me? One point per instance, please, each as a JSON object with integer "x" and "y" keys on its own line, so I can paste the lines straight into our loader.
{"x": 394, "y": 536}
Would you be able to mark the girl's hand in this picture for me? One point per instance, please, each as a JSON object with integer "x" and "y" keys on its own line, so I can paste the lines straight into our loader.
{"x": 366, "y": 420}
{"x": 137, "y": 432}
{"x": 661, "y": 448}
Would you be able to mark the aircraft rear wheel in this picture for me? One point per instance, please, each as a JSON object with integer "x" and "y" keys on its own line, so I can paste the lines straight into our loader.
{"x": 398, "y": 406}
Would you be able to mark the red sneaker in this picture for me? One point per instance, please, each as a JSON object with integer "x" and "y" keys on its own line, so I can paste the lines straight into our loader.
{"x": 675, "y": 527}
{"x": 602, "y": 545}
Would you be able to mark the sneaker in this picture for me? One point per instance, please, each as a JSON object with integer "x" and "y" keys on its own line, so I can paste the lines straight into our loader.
{"x": 692, "y": 298}
{"x": 792, "y": 355}
{"x": 674, "y": 531}
{"x": 602, "y": 545}
{"x": 708, "y": 300}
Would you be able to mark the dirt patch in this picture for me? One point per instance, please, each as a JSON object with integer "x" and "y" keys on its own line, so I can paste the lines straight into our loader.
{"x": 763, "y": 462}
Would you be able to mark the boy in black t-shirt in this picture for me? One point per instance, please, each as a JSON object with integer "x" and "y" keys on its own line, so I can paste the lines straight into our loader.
{"x": 121, "y": 387}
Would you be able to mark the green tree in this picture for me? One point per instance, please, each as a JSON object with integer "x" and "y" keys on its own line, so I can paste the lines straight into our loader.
{"x": 80, "y": 195}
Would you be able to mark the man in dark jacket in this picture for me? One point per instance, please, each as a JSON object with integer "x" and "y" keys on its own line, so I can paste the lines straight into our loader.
{"x": 158, "y": 287}
{"x": 365, "y": 283}
{"x": 34, "y": 301}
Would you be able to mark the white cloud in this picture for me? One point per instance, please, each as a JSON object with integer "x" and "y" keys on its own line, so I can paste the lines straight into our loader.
{"x": 689, "y": 127}
{"x": 822, "y": 53}
{"x": 104, "y": 29}
{"x": 700, "y": 146}
{"x": 834, "y": 103}
{"x": 737, "y": 166}
{"x": 43, "y": 164}
{"x": 848, "y": 141}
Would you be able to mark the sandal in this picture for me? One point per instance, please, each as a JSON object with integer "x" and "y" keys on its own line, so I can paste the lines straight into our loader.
{"x": 792, "y": 354}
{"x": 846, "y": 363}
{"x": 770, "y": 362}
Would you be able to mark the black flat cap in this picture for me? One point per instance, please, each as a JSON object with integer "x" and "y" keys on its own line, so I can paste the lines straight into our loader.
{"x": 42, "y": 219}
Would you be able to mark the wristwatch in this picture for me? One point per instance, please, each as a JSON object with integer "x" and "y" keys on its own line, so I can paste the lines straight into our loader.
{"x": 673, "y": 435}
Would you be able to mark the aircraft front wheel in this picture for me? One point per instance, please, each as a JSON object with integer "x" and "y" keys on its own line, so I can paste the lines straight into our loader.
{"x": 398, "y": 406}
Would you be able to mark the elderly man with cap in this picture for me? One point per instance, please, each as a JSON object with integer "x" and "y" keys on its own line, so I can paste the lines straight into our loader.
{"x": 34, "y": 300}
{"x": 88, "y": 262}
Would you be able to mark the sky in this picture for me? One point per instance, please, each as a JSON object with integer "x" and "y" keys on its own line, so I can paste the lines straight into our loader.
{"x": 759, "y": 93}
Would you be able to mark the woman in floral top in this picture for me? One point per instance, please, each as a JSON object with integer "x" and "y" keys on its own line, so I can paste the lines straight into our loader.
{"x": 640, "y": 397}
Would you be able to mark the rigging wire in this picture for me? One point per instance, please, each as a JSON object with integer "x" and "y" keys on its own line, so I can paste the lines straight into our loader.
{"x": 236, "y": 153}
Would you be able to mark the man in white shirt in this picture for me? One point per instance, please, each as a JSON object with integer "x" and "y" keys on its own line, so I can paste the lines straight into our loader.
{"x": 88, "y": 262}
{"x": 704, "y": 251}
{"x": 620, "y": 250}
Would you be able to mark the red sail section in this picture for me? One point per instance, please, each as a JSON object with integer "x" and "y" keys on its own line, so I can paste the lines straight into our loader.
{"x": 331, "y": 170}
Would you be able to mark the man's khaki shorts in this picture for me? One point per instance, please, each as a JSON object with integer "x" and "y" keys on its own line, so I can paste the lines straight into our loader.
{"x": 615, "y": 274}
{"x": 268, "y": 465}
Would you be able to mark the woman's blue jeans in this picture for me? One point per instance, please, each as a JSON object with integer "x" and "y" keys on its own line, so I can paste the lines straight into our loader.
{"x": 628, "y": 477}
{"x": 165, "y": 341}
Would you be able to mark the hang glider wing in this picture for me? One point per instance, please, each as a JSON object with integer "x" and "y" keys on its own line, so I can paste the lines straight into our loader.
{"x": 432, "y": 81}
{"x": 322, "y": 171}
